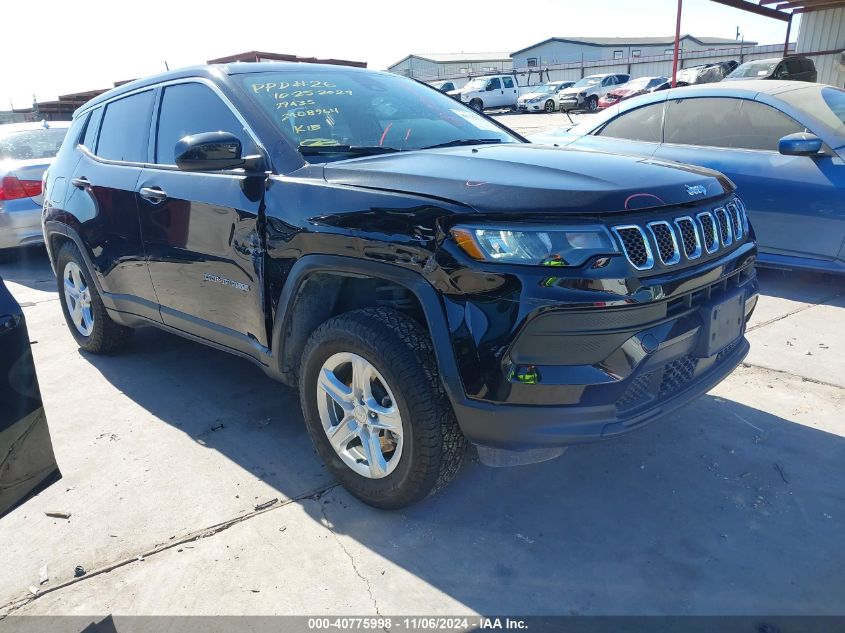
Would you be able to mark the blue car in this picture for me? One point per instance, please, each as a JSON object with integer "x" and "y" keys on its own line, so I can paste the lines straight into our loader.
{"x": 781, "y": 142}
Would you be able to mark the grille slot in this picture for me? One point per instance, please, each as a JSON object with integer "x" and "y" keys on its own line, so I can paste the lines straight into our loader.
{"x": 677, "y": 374}
{"x": 640, "y": 391}
{"x": 724, "y": 222}
{"x": 736, "y": 221}
{"x": 743, "y": 212}
{"x": 708, "y": 230}
{"x": 689, "y": 237}
{"x": 667, "y": 245}
{"x": 635, "y": 245}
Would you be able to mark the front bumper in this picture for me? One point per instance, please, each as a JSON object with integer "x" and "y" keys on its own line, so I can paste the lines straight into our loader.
{"x": 571, "y": 102}
{"x": 569, "y": 376}
{"x": 20, "y": 223}
{"x": 531, "y": 107}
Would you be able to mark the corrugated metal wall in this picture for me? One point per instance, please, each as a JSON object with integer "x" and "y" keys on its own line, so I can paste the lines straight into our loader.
{"x": 824, "y": 31}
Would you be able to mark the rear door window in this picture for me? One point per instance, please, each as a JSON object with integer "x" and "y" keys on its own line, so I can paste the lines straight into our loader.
{"x": 726, "y": 122}
{"x": 191, "y": 108}
{"x": 642, "y": 124}
{"x": 508, "y": 82}
{"x": 125, "y": 128}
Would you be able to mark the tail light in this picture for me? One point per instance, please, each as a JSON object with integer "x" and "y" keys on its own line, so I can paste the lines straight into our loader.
{"x": 13, "y": 188}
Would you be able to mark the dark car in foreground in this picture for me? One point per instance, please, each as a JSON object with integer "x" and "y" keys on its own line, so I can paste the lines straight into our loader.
{"x": 782, "y": 143}
{"x": 26, "y": 150}
{"x": 422, "y": 274}
{"x": 781, "y": 68}
{"x": 27, "y": 463}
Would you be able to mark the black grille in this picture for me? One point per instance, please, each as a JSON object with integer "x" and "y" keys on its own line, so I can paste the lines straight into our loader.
{"x": 676, "y": 374}
{"x": 638, "y": 392}
{"x": 634, "y": 243}
{"x": 665, "y": 241}
{"x": 708, "y": 229}
{"x": 724, "y": 227}
{"x": 733, "y": 211}
{"x": 688, "y": 237}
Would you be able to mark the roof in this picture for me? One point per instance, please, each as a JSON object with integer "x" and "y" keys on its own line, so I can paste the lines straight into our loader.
{"x": 637, "y": 41}
{"x": 215, "y": 71}
{"x": 255, "y": 56}
{"x": 746, "y": 86}
{"x": 443, "y": 58}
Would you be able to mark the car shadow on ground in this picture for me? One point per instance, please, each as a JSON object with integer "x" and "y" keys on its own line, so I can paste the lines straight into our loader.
{"x": 800, "y": 286}
{"x": 30, "y": 267}
{"x": 721, "y": 508}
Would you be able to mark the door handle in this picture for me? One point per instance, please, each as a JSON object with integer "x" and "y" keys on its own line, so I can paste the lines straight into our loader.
{"x": 152, "y": 194}
{"x": 81, "y": 182}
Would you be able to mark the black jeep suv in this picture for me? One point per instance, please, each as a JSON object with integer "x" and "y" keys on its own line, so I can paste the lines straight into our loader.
{"x": 424, "y": 275}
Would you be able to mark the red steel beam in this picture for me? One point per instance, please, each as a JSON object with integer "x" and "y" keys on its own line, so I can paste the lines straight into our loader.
{"x": 745, "y": 5}
{"x": 677, "y": 45}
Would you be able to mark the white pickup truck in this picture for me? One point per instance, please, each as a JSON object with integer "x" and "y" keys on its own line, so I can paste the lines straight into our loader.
{"x": 491, "y": 91}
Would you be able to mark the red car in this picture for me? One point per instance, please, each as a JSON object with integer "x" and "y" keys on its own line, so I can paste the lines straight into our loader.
{"x": 631, "y": 89}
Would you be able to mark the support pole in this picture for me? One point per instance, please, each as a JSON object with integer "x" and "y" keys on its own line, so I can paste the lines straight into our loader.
{"x": 677, "y": 45}
{"x": 786, "y": 43}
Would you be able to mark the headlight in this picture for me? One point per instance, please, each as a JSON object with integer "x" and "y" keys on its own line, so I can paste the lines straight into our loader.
{"x": 536, "y": 99}
{"x": 536, "y": 246}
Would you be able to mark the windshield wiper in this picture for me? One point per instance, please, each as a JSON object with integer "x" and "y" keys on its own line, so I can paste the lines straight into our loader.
{"x": 465, "y": 141}
{"x": 360, "y": 150}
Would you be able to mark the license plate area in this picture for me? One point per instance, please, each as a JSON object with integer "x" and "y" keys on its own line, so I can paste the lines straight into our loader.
{"x": 723, "y": 323}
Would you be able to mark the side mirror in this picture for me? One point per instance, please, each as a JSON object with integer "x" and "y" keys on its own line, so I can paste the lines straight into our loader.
{"x": 209, "y": 151}
{"x": 800, "y": 144}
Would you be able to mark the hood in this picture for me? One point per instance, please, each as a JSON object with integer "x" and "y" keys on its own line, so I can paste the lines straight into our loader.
{"x": 573, "y": 90}
{"x": 620, "y": 92}
{"x": 525, "y": 178}
{"x": 530, "y": 95}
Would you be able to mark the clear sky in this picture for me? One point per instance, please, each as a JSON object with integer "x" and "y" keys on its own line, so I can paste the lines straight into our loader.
{"x": 62, "y": 46}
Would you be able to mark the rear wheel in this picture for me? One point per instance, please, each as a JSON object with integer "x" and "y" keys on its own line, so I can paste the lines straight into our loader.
{"x": 376, "y": 410}
{"x": 477, "y": 105}
{"x": 86, "y": 316}
{"x": 550, "y": 106}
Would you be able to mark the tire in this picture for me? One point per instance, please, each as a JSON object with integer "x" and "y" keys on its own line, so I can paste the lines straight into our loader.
{"x": 430, "y": 447}
{"x": 99, "y": 334}
{"x": 592, "y": 103}
{"x": 477, "y": 105}
{"x": 550, "y": 106}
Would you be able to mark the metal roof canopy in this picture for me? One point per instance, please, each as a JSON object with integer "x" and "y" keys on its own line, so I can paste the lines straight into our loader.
{"x": 783, "y": 10}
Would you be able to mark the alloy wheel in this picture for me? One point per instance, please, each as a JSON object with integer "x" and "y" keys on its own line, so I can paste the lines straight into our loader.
{"x": 359, "y": 415}
{"x": 78, "y": 299}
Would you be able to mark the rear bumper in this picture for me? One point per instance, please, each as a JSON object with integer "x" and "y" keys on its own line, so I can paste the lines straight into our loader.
{"x": 20, "y": 223}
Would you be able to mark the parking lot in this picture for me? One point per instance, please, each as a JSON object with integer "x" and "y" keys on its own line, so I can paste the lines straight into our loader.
{"x": 193, "y": 489}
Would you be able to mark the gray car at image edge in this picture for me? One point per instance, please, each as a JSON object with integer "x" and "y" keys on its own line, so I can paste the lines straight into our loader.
{"x": 26, "y": 150}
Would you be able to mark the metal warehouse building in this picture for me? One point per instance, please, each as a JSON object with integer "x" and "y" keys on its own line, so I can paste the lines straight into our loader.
{"x": 430, "y": 67}
{"x": 561, "y": 50}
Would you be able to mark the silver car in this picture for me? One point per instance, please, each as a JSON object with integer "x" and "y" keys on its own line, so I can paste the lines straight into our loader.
{"x": 26, "y": 150}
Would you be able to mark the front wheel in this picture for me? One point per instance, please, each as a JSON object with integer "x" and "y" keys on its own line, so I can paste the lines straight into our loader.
{"x": 550, "y": 106}
{"x": 376, "y": 410}
{"x": 592, "y": 104}
{"x": 477, "y": 105}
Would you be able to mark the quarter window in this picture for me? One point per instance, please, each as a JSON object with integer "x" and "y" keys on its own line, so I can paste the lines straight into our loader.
{"x": 643, "y": 124}
{"x": 126, "y": 123}
{"x": 725, "y": 122}
{"x": 191, "y": 108}
{"x": 90, "y": 138}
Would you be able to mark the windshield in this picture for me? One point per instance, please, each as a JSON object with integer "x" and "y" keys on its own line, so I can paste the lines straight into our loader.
{"x": 479, "y": 83}
{"x": 587, "y": 82}
{"x": 364, "y": 109}
{"x": 755, "y": 69}
{"x": 826, "y": 104}
{"x": 637, "y": 84}
{"x": 542, "y": 90}
{"x": 24, "y": 144}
